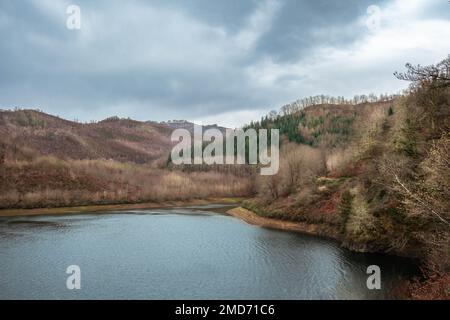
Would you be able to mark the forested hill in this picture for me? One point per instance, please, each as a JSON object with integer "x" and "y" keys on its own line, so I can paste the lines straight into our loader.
{"x": 328, "y": 125}
{"x": 374, "y": 174}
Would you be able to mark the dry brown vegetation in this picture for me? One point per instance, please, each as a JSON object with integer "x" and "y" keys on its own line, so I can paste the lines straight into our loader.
{"x": 299, "y": 164}
{"x": 26, "y": 134}
{"x": 50, "y": 182}
{"x": 46, "y": 161}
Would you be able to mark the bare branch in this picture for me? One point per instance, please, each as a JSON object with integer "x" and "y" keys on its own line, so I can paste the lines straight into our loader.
{"x": 420, "y": 201}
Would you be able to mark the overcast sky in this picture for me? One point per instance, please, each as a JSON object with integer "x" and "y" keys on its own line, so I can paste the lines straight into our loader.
{"x": 219, "y": 61}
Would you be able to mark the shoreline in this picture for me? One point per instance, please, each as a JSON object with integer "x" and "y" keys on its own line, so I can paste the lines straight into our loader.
{"x": 115, "y": 207}
{"x": 252, "y": 218}
{"x": 318, "y": 230}
{"x": 408, "y": 291}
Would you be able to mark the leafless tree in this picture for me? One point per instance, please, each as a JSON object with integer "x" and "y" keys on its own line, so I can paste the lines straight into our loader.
{"x": 436, "y": 75}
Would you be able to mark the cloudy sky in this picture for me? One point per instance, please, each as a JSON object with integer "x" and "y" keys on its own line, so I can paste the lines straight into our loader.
{"x": 218, "y": 61}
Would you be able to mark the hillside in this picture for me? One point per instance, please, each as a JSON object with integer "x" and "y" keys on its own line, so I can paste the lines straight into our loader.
{"x": 374, "y": 174}
{"x": 29, "y": 133}
{"x": 46, "y": 161}
{"x": 183, "y": 124}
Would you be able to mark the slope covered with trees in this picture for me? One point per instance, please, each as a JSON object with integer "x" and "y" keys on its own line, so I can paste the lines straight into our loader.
{"x": 375, "y": 175}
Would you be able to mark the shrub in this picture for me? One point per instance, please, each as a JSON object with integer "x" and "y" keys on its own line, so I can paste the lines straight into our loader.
{"x": 345, "y": 208}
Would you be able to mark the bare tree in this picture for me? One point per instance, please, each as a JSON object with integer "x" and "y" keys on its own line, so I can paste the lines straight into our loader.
{"x": 436, "y": 75}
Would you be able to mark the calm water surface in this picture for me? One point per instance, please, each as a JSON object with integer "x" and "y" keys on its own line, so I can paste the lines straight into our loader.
{"x": 183, "y": 253}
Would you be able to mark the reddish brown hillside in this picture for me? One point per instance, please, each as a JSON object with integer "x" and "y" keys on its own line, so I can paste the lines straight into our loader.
{"x": 30, "y": 133}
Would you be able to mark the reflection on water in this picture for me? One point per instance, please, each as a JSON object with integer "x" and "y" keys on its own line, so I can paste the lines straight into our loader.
{"x": 180, "y": 253}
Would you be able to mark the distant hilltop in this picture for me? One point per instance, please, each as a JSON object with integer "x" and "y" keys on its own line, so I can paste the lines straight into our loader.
{"x": 184, "y": 124}
{"x": 27, "y": 133}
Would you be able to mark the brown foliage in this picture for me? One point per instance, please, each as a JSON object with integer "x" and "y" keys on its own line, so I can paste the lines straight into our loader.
{"x": 434, "y": 287}
{"x": 299, "y": 165}
{"x": 48, "y": 181}
{"x": 29, "y": 133}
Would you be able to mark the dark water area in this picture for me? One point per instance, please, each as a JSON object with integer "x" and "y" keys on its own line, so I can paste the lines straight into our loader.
{"x": 181, "y": 253}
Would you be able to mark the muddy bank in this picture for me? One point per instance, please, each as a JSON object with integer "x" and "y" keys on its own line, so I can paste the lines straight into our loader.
{"x": 250, "y": 217}
{"x": 115, "y": 207}
{"x": 322, "y": 230}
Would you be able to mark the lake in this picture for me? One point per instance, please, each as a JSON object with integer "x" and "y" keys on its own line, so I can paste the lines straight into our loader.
{"x": 180, "y": 253}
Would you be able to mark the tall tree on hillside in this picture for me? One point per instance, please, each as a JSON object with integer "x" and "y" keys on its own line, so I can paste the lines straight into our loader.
{"x": 436, "y": 75}
{"x": 430, "y": 84}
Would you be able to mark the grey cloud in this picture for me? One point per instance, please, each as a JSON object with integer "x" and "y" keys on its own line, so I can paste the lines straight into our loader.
{"x": 169, "y": 59}
{"x": 296, "y": 32}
